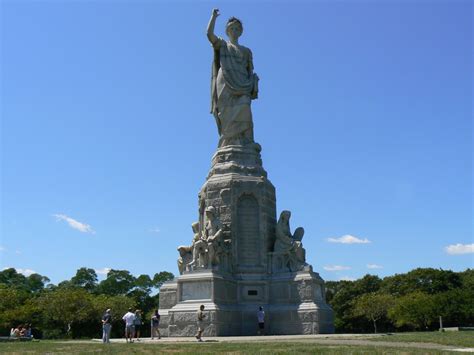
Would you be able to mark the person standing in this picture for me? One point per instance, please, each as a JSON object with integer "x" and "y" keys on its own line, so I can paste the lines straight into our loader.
{"x": 129, "y": 319}
{"x": 200, "y": 322}
{"x": 261, "y": 321}
{"x": 106, "y": 326}
{"x": 137, "y": 324}
{"x": 155, "y": 323}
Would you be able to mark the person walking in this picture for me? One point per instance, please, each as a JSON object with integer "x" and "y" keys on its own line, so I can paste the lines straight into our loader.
{"x": 155, "y": 323}
{"x": 137, "y": 324}
{"x": 129, "y": 319}
{"x": 200, "y": 322}
{"x": 261, "y": 321}
{"x": 106, "y": 326}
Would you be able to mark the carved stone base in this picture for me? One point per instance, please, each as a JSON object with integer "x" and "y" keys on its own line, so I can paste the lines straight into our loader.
{"x": 244, "y": 271}
{"x": 293, "y": 304}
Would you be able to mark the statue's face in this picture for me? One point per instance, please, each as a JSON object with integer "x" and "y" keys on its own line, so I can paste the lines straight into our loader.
{"x": 234, "y": 30}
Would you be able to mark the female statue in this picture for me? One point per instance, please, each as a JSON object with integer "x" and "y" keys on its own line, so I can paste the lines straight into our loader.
{"x": 233, "y": 84}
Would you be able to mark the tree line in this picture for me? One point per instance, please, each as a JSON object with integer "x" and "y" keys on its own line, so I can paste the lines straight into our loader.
{"x": 403, "y": 302}
{"x": 73, "y": 308}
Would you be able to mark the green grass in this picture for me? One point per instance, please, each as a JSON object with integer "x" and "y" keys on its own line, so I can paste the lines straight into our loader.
{"x": 65, "y": 347}
{"x": 463, "y": 338}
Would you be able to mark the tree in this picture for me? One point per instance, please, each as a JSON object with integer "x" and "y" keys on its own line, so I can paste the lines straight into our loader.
{"x": 416, "y": 309}
{"x": 427, "y": 280}
{"x": 341, "y": 297}
{"x": 118, "y": 282}
{"x": 161, "y": 277}
{"x": 65, "y": 307}
{"x": 36, "y": 282}
{"x": 373, "y": 306}
{"x": 85, "y": 278}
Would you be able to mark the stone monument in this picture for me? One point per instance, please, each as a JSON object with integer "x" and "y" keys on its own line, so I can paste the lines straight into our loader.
{"x": 241, "y": 257}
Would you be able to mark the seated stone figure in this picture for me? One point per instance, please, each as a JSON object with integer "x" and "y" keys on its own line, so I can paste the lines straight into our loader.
{"x": 186, "y": 253}
{"x": 199, "y": 248}
{"x": 288, "y": 245}
{"x": 212, "y": 234}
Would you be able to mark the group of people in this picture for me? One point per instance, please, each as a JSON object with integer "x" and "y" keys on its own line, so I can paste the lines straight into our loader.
{"x": 133, "y": 323}
{"x": 22, "y": 331}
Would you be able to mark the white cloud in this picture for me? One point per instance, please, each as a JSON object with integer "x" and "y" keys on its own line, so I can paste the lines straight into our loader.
{"x": 374, "y": 266}
{"x": 81, "y": 227}
{"x": 347, "y": 278}
{"x": 456, "y": 249}
{"x": 155, "y": 230}
{"x": 2, "y": 248}
{"x": 336, "y": 267}
{"x": 26, "y": 272}
{"x": 18, "y": 252}
{"x": 348, "y": 239}
{"x": 103, "y": 271}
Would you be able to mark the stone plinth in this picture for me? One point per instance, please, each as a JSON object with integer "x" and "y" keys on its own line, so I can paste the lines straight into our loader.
{"x": 244, "y": 271}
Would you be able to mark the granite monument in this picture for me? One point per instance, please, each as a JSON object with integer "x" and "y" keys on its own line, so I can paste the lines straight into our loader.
{"x": 240, "y": 256}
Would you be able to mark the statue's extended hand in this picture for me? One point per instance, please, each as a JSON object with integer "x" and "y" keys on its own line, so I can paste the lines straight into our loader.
{"x": 215, "y": 13}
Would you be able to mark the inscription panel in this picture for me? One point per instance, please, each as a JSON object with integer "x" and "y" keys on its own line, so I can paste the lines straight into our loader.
{"x": 195, "y": 290}
{"x": 248, "y": 223}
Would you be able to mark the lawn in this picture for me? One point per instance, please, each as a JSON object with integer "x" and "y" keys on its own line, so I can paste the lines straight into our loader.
{"x": 463, "y": 338}
{"x": 77, "y": 347}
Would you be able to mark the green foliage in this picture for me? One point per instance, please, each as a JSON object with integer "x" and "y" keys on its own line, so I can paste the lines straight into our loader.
{"x": 85, "y": 278}
{"x": 118, "y": 282}
{"x": 161, "y": 278}
{"x": 342, "y": 296}
{"x": 417, "y": 310}
{"x": 373, "y": 306}
{"x": 418, "y": 298}
{"x": 427, "y": 280}
{"x": 33, "y": 283}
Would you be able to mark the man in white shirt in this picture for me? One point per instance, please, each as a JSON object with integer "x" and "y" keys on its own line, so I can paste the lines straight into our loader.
{"x": 129, "y": 319}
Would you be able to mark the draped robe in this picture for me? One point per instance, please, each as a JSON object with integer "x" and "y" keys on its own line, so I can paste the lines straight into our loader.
{"x": 233, "y": 86}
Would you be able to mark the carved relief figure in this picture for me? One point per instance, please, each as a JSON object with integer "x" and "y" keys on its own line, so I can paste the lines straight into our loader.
{"x": 233, "y": 84}
{"x": 199, "y": 247}
{"x": 288, "y": 244}
{"x": 212, "y": 234}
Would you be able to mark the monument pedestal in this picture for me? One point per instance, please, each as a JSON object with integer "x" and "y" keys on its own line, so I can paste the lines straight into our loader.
{"x": 251, "y": 260}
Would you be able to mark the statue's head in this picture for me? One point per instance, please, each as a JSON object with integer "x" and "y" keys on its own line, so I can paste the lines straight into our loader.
{"x": 285, "y": 216}
{"x": 234, "y": 27}
{"x": 210, "y": 212}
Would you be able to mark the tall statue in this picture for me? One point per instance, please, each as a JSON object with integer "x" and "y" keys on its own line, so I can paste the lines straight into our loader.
{"x": 233, "y": 84}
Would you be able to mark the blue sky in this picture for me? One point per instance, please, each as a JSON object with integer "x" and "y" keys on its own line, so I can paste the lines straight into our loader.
{"x": 364, "y": 116}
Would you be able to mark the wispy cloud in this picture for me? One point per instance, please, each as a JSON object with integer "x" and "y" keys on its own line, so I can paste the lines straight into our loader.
{"x": 348, "y": 239}
{"x": 456, "y": 249}
{"x": 26, "y": 272}
{"x": 154, "y": 230}
{"x": 81, "y": 227}
{"x": 347, "y": 278}
{"x": 336, "y": 267}
{"x": 2, "y": 248}
{"x": 374, "y": 266}
{"x": 18, "y": 252}
{"x": 103, "y": 271}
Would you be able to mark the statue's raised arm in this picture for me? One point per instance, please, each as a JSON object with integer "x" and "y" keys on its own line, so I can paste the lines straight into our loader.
{"x": 233, "y": 85}
{"x": 210, "y": 27}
